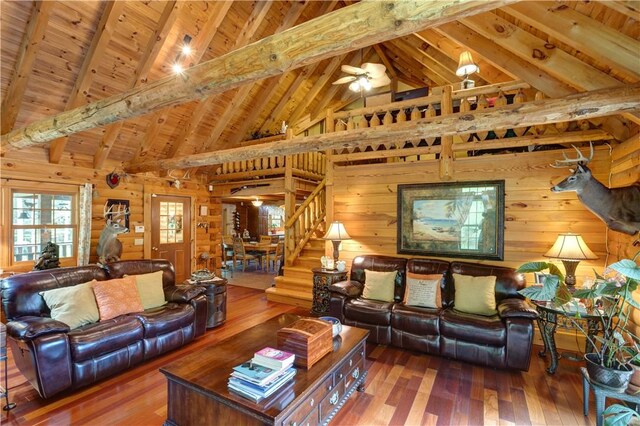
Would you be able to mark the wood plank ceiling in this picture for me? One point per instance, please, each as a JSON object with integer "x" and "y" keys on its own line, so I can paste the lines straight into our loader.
{"x": 58, "y": 55}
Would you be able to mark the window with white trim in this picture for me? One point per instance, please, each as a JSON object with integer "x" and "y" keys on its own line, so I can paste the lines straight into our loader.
{"x": 39, "y": 217}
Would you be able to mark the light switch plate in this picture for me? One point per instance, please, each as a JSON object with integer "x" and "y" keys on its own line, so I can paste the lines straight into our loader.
{"x": 138, "y": 242}
{"x": 139, "y": 228}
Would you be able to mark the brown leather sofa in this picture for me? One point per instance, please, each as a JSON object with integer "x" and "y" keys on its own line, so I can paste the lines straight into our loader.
{"x": 55, "y": 359}
{"x": 501, "y": 341}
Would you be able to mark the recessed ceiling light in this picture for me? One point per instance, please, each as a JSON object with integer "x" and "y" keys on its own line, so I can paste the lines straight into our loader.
{"x": 186, "y": 49}
{"x": 177, "y": 68}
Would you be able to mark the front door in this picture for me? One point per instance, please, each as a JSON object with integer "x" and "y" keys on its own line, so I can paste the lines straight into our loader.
{"x": 171, "y": 232}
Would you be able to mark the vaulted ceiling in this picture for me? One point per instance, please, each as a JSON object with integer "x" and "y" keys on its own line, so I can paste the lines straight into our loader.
{"x": 60, "y": 55}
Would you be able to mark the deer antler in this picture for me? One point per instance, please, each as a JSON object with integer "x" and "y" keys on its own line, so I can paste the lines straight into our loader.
{"x": 114, "y": 216}
{"x": 580, "y": 160}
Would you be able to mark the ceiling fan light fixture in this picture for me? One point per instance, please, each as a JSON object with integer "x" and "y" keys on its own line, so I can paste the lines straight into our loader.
{"x": 466, "y": 66}
{"x": 365, "y": 83}
{"x": 355, "y": 86}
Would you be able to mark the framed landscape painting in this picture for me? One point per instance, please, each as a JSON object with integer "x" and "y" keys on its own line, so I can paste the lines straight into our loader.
{"x": 462, "y": 219}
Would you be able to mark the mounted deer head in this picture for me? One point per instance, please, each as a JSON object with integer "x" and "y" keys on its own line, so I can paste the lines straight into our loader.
{"x": 109, "y": 248}
{"x": 619, "y": 208}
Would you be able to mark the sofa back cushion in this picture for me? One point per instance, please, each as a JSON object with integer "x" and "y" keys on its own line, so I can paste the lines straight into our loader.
{"x": 146, "y": 266}
{"x": 508, "y": 282}
{"x": 21, "y": 293}
{"x": 381, "y": 264}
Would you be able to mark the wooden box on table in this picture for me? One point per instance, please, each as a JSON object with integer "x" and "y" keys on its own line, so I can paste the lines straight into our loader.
{"x": 308, "y": 338}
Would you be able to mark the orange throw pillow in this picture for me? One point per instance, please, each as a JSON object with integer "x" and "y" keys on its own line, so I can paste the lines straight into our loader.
{"x": 117, "y": 297}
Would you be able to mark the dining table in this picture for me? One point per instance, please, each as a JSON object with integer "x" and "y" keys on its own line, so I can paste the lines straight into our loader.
{"x": 265, "y": 249}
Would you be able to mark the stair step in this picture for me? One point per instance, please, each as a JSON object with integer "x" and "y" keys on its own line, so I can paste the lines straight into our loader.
{"x": 293, "y": 284}
{"x": 298, "y": 272}
{"x": 308, "y": 262}
{"x": 290, "y": 297}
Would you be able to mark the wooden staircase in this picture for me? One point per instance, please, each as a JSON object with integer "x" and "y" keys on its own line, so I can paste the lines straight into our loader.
{"x": 295, "y": 287}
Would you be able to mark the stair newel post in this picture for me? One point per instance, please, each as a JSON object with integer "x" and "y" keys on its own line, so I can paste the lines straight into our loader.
{"x": 289, "y": 205}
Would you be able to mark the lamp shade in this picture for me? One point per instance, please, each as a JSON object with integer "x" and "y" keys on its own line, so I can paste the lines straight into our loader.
{"x": 570, "y": 247}
{"x": 466, "y": 66}
{"x": 336, "y": 232}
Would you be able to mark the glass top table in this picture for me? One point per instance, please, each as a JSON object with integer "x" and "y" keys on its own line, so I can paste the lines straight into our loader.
{"x": 552, "y": 316}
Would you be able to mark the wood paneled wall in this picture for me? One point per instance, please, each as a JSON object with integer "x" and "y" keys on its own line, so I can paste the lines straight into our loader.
{"x": 365, "y": 199}
{"x": 76, "y": 172}
{"x": 625, "y": 170}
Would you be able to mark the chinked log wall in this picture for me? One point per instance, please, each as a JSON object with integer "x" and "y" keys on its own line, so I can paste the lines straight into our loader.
{"x": 78, "y": 171}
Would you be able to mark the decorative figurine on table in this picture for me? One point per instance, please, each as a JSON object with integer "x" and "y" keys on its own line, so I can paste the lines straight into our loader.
{"x": 49, "y": 258}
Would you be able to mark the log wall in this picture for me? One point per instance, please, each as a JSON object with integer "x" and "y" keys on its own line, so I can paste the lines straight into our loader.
{"x": 365, "y": 199}
{"x": 78, "y": 171}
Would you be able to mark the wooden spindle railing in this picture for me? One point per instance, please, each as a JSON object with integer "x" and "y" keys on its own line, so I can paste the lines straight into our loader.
{"x": 304, "y": 222}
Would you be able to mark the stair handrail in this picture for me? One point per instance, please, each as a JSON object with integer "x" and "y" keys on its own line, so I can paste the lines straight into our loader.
{"x": 304, "y": 222}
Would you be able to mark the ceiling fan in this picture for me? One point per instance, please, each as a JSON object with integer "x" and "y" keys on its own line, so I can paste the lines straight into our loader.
{"x": 365, "y": 77}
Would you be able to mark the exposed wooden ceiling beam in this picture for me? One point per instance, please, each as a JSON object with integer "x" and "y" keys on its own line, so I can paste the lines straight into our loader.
{"x": 201, "y": 111}
{"x": 352, "y": 27}
{"x": 505, "y": 60}
{"x": 27, "y": 52}
{"x": 80, "y": 91}
{"x": 153, "y": 48}
{"x": 630, "y": 8}
{"x": 551, "y": 60}
{"x": 584, "y": 105}
{"x": 413, "y": 69}
{"x": 199, "y": 45}
{"x": 321, "y": 81}
{"x": 581, "y": 33}
{"x": 453, "y": 50}
{"x": 411, "y": 51}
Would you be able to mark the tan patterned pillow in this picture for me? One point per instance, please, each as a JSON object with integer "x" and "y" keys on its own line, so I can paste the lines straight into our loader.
{"x": 423, "y": 290}
{"x": 74, "y": 306}
{"x": 117, "y": 297}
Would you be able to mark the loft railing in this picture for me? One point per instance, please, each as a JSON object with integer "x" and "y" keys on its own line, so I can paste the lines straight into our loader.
{"x": 311, "y": 165}
{"x": 304, "y": 222}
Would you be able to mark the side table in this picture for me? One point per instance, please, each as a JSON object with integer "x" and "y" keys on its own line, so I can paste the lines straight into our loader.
{"x": 322, "y": 279}
{"x": 600, "y": 395}
{"x": 216, "y": 292}
{"x": 550, "y": 317}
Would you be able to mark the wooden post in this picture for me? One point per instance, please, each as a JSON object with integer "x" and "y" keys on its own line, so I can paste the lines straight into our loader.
{"x": 446, "y": 154}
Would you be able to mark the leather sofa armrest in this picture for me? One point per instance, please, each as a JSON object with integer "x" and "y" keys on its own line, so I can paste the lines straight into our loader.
{"x": 347, "y": 288}
{"x": 30, "y": 327}
{"x": 182, "y": 293}
{"x": 516, "y": 308}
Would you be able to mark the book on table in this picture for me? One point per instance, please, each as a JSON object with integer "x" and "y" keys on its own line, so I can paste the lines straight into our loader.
{"x": 256, "y": 392}
{"x": 254, "y": 373}
{"x": 273, "y": 358}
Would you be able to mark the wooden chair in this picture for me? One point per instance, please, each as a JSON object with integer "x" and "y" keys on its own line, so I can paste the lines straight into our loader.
{"x": 227, "y": 252}
{"x": 240, "y": 254}
{"x": 278, "y": 257}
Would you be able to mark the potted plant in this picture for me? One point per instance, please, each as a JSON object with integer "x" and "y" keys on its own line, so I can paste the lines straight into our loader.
{"x": 617, "y": 347}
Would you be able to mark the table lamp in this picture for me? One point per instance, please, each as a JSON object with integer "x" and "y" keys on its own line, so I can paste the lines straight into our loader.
{"x": 571, "y": 249}
{"x": 336, "y": 233}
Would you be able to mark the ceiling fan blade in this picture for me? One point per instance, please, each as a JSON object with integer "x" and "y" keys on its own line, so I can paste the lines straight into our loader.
{"x": 346, "y": 79}
{"x": 383, "y": 80}
{"x": 351, "y": 69}
{"x": 374, "y": 70}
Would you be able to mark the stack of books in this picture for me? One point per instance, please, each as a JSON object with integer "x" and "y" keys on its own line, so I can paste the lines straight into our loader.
{"x": 269, "y": 370}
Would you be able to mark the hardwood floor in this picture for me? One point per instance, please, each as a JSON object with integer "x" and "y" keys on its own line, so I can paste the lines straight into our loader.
{"x": 402, "y": 387}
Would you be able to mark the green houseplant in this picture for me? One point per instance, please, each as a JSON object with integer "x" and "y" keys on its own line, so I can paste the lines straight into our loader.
{"x": 617, "y": 347}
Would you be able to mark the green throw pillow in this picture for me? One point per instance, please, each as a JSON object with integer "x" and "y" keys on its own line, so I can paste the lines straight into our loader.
{"x": 475, "y": 295}
{"x": 75, "y": 306}
{"x": 150, "y": 289}
{"x": 379, "y": 285}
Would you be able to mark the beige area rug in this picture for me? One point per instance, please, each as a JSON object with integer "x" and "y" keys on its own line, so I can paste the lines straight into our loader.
{"x": 258, "y": 280}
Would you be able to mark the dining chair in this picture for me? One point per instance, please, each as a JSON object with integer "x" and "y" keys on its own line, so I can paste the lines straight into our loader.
{"x": 240, "y": 254}
{"x": 278, "y": 257}
{"x": 227, "y": 252}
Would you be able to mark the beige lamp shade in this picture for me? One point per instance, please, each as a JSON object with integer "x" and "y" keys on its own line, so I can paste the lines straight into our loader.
{"x": 466, "y": 66}
{"x": 336, "y": 232}
{"x": 570, "y": 247}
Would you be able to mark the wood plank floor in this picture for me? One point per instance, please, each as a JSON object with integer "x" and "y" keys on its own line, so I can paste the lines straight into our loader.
{"x": 403, "y": 388}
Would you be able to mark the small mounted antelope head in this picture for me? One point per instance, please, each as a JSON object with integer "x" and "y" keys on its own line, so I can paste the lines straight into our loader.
{"x": 619, "y": 208}
{"x": 109, "y": 248}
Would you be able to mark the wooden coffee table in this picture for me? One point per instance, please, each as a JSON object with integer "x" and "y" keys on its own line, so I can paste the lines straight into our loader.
{"x": 197, "y": 383}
